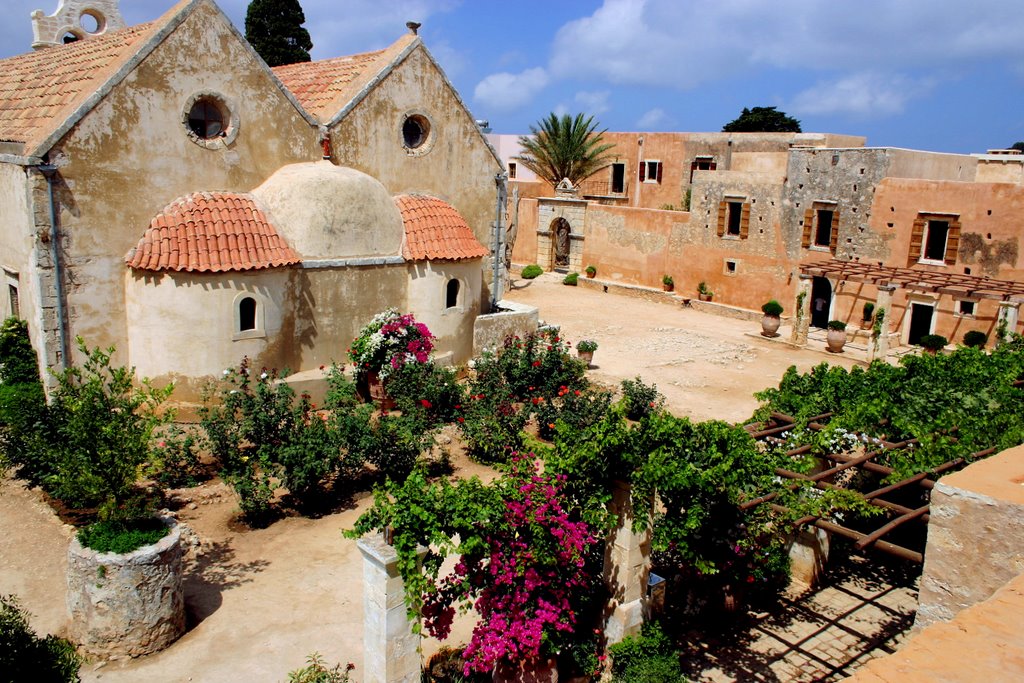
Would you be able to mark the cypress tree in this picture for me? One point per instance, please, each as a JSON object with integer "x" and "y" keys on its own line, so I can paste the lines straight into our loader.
{"x": 274, "y": 29}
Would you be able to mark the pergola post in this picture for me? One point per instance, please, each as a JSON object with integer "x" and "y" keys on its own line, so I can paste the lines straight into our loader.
{"x": 802, "y": 321}
{"x": 627, "y": 564}
{"x": 1009, "y": 314}
{"x": 878, "y": 344}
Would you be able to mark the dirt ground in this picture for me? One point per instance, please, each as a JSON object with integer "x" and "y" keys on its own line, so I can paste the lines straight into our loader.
{"x": 260, "y": 601}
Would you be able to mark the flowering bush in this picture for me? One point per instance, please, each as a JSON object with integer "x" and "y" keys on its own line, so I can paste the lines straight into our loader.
{"x": 388, "y": 342}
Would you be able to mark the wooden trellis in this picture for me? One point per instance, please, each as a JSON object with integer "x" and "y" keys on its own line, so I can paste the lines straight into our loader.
{"x": 954, "y": 284}
{"x": 897, "y": 515}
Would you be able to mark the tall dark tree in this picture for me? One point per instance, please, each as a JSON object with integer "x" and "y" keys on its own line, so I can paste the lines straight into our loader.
{"x": 274, "y": 29}
{"x": 564, "y": 147}
{"x": 762, "y": 120}
{"x": 1018, "y": 146}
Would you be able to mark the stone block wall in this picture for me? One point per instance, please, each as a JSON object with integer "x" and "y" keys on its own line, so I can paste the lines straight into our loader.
{"x": 575, "y": 212}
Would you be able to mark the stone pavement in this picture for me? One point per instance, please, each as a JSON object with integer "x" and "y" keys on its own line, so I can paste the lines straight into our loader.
{"x": 864, "y": 610}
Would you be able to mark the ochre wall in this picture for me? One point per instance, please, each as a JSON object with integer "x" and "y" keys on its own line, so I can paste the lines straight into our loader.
{"x": 453, "y": 327}
{"x": 16, "y": 238}
{"x": 130, "y": 156}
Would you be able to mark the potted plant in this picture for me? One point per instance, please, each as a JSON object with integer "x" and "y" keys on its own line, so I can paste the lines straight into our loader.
{"x": 836, "y": 337}
{"x": 667, "y": 283}
{"x": 585, "y": 349}
{"x": 975, "y": 339}
{"x": 867, "y": 316}
{"x": 384, "y": 345}
{"x": 771, "y": 320}
{"x": 571, "y": 279}
{"x": 591, "y": 271}
{"x": 703, "y": 293}
{"x": 933, "y": 343}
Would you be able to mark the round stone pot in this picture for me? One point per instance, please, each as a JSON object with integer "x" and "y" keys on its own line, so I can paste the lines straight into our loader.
{"x": 836, "y": 340}
{"x": 586, "y": 356}
{"x": 127, "y": 605}
{"x": 770, "y": 325}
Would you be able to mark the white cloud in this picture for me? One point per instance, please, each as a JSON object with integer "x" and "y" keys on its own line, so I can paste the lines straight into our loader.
{"x": 505, "y": 91}
{"x": 652, "y": 119}
{"x": 593, "y": 102}
{"x": 865, "y": 95}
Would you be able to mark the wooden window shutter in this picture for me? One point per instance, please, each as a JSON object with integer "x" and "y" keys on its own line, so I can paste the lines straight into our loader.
{"x": 713, "y": 166}
{"x": 833, "y": 238}
{"x": 723, "y": 207}
{"x": 952, "y": 242}
{"x": 805, "y": 241}
{"x": 659, "y": 171}
{"x": 917, "y": 238}
{"x": 643, "y": 171}
{"x": 745, "y": 221}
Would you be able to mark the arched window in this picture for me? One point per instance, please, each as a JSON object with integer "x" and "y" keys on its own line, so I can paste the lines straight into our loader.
{"x": 452, "y": 294}
{"x": 247, "y": 314}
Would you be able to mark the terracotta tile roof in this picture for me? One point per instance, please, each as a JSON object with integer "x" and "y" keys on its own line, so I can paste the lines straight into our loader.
{"x": 41, "y": 89}
{"x": 324, "y": 87}
{"x": 211, "y": 232}
{"x": 434, "y": 230}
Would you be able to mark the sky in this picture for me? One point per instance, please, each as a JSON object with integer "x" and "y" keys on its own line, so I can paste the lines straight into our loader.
{"x": 923, "y": 74}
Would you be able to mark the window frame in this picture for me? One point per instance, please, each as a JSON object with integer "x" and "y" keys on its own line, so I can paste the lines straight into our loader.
{"x": 724, "y": 208}
{"x": 457, "y": 306}
{"x": 645, "y": 171}
{"x": 258, "y": 331}
{"x": 920, "y": 233}
{"x": 611, "y": 180}
{"x": 958, "y": 308}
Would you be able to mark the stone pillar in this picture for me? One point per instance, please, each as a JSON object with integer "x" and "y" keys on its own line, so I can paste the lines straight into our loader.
{"x": 627, "y": 563}
{"x": 802, "y": 319}
{"x": 1009, "y": 314}
{"x": 808, "y": 554}
{"x": 390, "y": 648}
{"x": 878, "y": 342}
{"x": 975, "y": 536}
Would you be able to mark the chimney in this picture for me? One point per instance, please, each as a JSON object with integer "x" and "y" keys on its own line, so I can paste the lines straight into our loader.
{"x": 414, "y": 27}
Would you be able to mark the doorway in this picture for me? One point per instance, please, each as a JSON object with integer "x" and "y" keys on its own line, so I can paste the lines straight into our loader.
{"x": 821, "y": 302}
{"x": 920, "y": 321}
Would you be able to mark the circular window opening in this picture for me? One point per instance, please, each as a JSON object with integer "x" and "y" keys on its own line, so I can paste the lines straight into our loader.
{"x": 90, "y": 22}
{"x": 208, "y": 118}
{"x": 415, "y": 131}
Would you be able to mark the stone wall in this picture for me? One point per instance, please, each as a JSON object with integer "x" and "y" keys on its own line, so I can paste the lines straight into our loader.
{"x": 548, "y": 211}
{"x": 490, "y": 330}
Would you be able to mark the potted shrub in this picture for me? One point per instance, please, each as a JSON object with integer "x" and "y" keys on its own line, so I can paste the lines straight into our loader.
{"x": 867, "y": 316}
{"x": 703, "y": 293}
{"x": 585, "y": 349}
{"x": 771, "y": 320}
{"x": 667, "y": 283}
{"x": 385, "y": 345}
{"x": 975, "y": 339}
{"x": 571, "y": 279}
{"x": 933, "y": 343}
{"x": 836, "y": 337}
{"x": 591, "y": 271}
{"x": 531, "y": 271}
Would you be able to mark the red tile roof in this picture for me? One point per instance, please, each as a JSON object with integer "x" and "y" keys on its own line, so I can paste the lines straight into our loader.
{"x": 434, "y": 230}
{"x": 325, "y": 87}
{"x": 41, "y": 89}
{"x": 211, "y": 232}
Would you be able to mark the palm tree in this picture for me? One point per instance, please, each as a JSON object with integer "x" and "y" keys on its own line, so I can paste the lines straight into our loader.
{"x": 564, "y": 147}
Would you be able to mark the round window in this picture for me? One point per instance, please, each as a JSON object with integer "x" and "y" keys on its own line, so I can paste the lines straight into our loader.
{"x": 415, "y": 131}
{"x": 208, "y": 118}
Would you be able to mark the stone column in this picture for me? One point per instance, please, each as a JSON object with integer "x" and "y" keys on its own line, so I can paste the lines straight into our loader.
{"x": 802, "y": 319}
{"x": 627, "y": 563}
{"x": 390, "y": 648}
{"x": 878, "y": 342}
{"x": 1009, "y": 314}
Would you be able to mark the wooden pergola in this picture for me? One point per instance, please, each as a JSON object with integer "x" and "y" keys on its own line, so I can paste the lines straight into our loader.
{"x": 959, "y": 285}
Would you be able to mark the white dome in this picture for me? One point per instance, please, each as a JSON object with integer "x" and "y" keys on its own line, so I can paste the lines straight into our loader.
{"x": 325, "y": 211}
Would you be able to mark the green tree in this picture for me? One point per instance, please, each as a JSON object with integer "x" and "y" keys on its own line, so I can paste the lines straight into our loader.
{"x": 762, "y": 120}
{"x": 1018, "y": 146}
{"x": 564, "y": 147}
{"x": 274, "y": 29}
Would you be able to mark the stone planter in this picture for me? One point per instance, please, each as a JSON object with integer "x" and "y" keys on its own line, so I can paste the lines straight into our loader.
{"x": 667, "y": 288}
{"x": 836, "y": 340}
{"x": 704, "y": 297}
{"x": 378, "y": 392}
{"x": 770, "y": 325}
{"x": 537, "y": 670}
{"x": 586, "y": 356}
{"x": 127, "y": 605}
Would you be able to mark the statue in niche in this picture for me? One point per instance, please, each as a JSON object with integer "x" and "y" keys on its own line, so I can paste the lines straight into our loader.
{"x": 562, "y": 231}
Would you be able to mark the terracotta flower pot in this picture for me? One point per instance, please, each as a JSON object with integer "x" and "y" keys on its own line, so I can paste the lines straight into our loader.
{"x": 378, "y": 391}
{"x": 704, "y": 297}
{"x": 770, "y": 325}
{"x": 586, "y": 356}
{"x": 667, "y": 288}
{"x": 836, "y": 340}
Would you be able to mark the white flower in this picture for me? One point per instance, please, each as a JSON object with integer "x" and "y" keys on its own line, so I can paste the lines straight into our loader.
{"x": 264, "y": 376}
{"x": 471, "y": 364}
{"x": 234, "y": 391}
{"x": 227, "y": 372}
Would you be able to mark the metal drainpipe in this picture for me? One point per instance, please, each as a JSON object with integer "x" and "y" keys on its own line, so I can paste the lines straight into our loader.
{"x": 500, "y": 182}
{"x": 50, "y": 171}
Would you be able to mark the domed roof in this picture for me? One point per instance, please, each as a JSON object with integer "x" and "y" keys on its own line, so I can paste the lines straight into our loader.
{"x": 332, "y": 212}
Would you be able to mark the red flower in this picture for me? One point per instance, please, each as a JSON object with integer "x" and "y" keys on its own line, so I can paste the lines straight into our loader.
{"x": 426, "y": 404}
{"x": 462, "y": 419}
{"x": 321, "y": 367}
{"x": 536, "y": 363}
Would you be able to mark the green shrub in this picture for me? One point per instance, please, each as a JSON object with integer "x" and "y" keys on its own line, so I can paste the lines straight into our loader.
{"x": 837, "y": 325}
{"x": 640, "y": 399}
{"x": 572, "y": 279}
{"x": 868, "y": 312}
{"x": 24, "y": 656}
{"x": 667, "y": 280}
{"x": 772, "y": 308}
{"x": 975, "y": 339}
{"x": 586, "y": 345}
{"x": 646, "y": 658}
{"x": 18, "y": 363}
{"x": 23, "y": 432}
{"x": 577, "y": 409}
{"x": 429, "y": 389}
{"x": 121, "y": 536}
{"x": 934, "y": 342}
{"x": 531, "y": 271}
{"x": 393, "y": 443}
{"x": 317, "y": 671}
{"x": 174, "y": 459}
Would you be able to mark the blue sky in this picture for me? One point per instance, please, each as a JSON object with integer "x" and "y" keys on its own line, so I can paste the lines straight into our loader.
{"x": 924, "y": 74}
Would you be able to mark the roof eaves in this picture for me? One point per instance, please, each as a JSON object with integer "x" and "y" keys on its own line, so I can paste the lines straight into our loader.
{"x": 97, "y": 96}
{"x": 372, "y": 83}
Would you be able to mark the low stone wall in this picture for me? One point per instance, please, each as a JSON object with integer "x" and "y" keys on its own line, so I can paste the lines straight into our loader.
{"x": 490, "y": 330}
{"x": 127, "y": 605}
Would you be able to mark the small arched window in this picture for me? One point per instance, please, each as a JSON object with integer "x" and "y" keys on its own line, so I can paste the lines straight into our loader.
{"x": 247, "y": 314}
{"x": 452, "y": 294}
